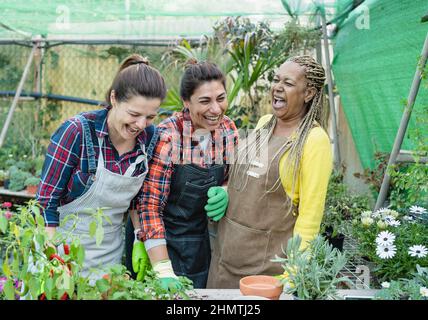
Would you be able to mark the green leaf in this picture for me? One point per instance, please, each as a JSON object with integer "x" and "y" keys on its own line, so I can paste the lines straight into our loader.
{"x": 103, "y": 285}
{"x": 80, "y": 257}
{"x": 9, "y": 290}
{"x": 49, "y": 286}
{"x": 6, "y": 269}
{"x": 3, "y": 223}
{"x": 35, "y": 287}
{"x": 92, "y": 228}
{"x": 99, "y": 235}
{"x": 40, "y": 220}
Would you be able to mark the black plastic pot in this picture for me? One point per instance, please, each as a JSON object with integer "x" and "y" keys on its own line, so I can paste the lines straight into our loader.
{"x": 337, "y": 241}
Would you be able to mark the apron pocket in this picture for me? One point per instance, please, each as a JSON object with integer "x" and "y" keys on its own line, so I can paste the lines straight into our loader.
{"x": 243, "y": 249}
{"x": 81, "y": 183}
{"x": 190, "y": 255}
{"x": 193, "y": 199}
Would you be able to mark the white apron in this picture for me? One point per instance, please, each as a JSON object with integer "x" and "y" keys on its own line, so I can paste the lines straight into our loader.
{"x": 110, "y": 190}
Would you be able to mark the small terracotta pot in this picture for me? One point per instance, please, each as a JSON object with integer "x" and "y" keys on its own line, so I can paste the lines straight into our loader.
{"x": 261, "y": 285}
{"x": 31, "y": 189}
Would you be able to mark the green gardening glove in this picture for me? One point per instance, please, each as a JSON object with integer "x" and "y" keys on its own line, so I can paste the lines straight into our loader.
{"x": 170, "y": 284}
{"x": 140, "y": 259}
{"x": 218, "y": 200}
{"x": 165, "y": 273}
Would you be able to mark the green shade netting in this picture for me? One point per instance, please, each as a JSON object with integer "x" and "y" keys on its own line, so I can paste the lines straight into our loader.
{"x": 127, "y": 18}
{"x": 374, "y": 70}
{"x": 143, "y": 18}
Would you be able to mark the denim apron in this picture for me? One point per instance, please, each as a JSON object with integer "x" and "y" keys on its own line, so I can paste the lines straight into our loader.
{"x": 108, "y": 190}
{"x": 186, "y": 222}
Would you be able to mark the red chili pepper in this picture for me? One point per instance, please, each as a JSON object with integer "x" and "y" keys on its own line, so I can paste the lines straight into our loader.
{"x": 64, "y": 296}
{"x": 43, "y": 296}
{"x": 55, "y": 256}
{"x": 66, "y": 249}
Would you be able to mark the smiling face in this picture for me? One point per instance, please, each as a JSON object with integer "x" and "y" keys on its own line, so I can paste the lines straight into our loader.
{"x": 207, "y": 105}
{"x": 127, "y": 119}
{"x": 289, "y": 92}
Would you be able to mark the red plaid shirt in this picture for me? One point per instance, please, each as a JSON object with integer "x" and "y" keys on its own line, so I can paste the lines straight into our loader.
{"x": 179, "y": 143}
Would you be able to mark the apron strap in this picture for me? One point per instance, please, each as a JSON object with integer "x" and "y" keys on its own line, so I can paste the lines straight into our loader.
{"x": 89, "y": 143}
{"x": 133, "y": 166}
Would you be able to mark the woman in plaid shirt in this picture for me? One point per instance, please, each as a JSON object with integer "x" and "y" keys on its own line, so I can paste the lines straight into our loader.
{"x": 183, "y": 187}
{"x": 98, "y": 159}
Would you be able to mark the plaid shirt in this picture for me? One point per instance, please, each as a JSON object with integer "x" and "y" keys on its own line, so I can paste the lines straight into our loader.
{"x": 65, "y": 171}
{"x": 179, "y": 143}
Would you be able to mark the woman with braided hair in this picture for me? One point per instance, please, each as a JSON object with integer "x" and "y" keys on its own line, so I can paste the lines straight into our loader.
{"x": 278, "y": 181}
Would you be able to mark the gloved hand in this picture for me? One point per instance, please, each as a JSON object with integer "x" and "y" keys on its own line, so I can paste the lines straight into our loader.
{"x": 218, "y": 199}
{"x": 140, "y": 258}
{"x": 166, "y": 275}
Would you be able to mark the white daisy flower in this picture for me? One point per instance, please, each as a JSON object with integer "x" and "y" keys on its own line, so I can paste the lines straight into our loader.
{"x": 381, "y": 224}
{"x": 394, "y": 213}
{"x": 386, "y": 252}
{"x": 417, "y": 210}
{"x": 367, "y": 221}
{"x": 408, "y": 218}
{"x": 385, "y": 238}
{"x": 394, "y": 223}
{"x": 385, "y": 284}
{"x": 418, "y": 251}
{"x": 377, "y": 214}
{"x": 366, "y": 214}
{"x": 423, "y": 291}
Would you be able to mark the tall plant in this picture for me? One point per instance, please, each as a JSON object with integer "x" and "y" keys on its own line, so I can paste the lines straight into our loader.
{"x": 256, "y": 51}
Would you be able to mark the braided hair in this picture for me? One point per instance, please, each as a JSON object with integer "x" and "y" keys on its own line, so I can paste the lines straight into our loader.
{"x": 315, "y": 77}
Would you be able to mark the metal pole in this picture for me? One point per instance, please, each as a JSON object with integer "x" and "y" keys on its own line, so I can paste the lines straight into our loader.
{"x": 330, "y": 92}
{"x": 318, "y": 48}
{"x": 16, "y": 97}
{"x": 403, "y": 124}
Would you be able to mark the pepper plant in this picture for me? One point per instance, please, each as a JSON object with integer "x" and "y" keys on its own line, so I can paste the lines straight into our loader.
{"x": 35, "y": 266}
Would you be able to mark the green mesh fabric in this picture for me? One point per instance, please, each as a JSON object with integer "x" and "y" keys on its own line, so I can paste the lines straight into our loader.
{"x": 156, "y": 18}
{"x": 374, "y": 70}
{"x": 144, "y": 18}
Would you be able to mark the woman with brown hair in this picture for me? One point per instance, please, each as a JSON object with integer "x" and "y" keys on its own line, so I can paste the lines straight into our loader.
{"x": 278, "y": 183}
{"x": 98, "y": 159}
{"x": 183, "y": 189}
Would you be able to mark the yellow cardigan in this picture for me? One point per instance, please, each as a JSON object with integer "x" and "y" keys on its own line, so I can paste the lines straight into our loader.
{"x": 312, "y": 182}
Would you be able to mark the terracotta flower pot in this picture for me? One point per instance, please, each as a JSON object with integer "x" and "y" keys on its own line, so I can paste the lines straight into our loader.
{"x": 31, "y": 189}
{"x": 260, "y": 285}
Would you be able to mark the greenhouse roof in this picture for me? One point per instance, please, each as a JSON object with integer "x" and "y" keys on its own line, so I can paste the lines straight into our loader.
{"x": 144, "y": 19}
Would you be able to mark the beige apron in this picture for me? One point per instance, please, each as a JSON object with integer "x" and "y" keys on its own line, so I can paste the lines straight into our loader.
{"x": 254, "y": 227}
{"x": 114, "y": 192}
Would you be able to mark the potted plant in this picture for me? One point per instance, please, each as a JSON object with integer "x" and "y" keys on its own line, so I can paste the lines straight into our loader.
{"x": 34, "y": 266}
{"x": 406, "y": 289}
{"x": 31, "y": 183}
{"x": 17, "y": 178}
{"x": 341, "y": 207}
{"x": 312, "y": 273}
{"x": 395, "y": 242}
